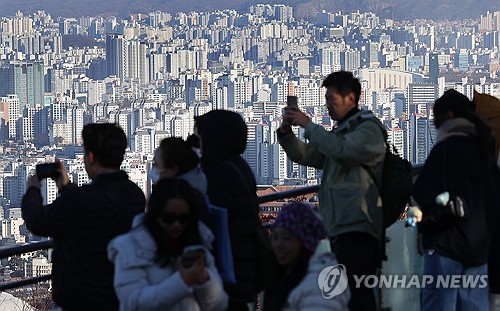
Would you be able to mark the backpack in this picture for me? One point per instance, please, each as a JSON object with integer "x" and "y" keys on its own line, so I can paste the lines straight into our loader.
{"x": 396, "y": 186}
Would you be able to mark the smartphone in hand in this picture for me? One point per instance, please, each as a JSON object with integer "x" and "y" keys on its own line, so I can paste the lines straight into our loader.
{"x": 292, "y": 101}
{"x": 48, "y": 170}
{"x": 191, "y": 254}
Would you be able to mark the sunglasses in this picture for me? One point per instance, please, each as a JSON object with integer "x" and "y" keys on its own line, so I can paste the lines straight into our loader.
{"x": 170, "y": 218}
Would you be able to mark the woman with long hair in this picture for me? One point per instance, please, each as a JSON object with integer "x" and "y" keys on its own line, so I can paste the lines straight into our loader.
{"x": 164, "y": 263}
{"x": 298, "y": 262}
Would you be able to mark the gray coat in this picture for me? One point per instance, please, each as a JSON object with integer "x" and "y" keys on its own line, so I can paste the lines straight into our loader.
{"x": 349, "y": 200}
{"x": 141, "y": 284}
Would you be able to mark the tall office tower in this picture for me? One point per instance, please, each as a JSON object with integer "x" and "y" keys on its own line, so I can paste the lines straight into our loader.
{"x": 461, "y": 60}
{"x": 141, "y": 142}
{"x": 264, "y": 174}
{"x": 95, "y": 92}
{"x": 24, "y": 171}
{"x": 422, "y": 137}
{"x": 41, "y": 126}
{"x": 158, "y": 18}
{"x": 254, "y": 141}
{"x": 30, "y": 44}
{"x": 95, "y": 29}
{"x": 25, "y": 79}
{"x": 283, "y": 13}
{"x": 221, "y": 100}
{"x": 116, "y": 56}
{"x": 138, "y": 62}
{"x": 467, "y": 42}
{"x": 372, "y": 54}
{"x": 172, "y": 66}
{"x": 419, "y": 96}
{"x": 179, "y": 125}
{"x": 56, "y": 44}
{"x": 157, "y": 66}
{"x": 26, "y": 134}
{"x": 433, "y": 68}
{"x": 491, "y": 40}
{"x": 278, "y": 162}
{"x": 309, "y": 92}
{"x": 97, "y": 69}
{"x": 239, "y": 92}
{"x": 496, "y": 21}
{"x": 12, "y": 114}
{"x": 486, "y": 23}
{"x": 350, "y": 60}
{"x": 124, "y": 119}
{"x": 76, "y": 119}
{"x": 329, "y": 60}
{"x": 61, "y": 133}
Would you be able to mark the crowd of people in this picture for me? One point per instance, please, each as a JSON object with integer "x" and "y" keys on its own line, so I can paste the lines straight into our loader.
{"x": 112, "y": 250}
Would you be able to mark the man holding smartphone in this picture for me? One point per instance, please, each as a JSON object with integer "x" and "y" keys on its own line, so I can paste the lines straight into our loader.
{"x": 82, "y": 220}
{"x": 348, "y": 197}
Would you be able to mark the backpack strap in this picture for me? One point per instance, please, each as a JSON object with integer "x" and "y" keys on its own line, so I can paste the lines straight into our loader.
{"x": 371, "y": 117}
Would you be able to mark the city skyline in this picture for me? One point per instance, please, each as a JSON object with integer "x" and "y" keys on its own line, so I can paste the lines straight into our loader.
{"x": 394, "y": 9}
{"x": 153, "y": 73}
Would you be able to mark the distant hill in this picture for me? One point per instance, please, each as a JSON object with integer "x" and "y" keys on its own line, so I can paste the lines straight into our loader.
{"x": 397, "y": 9}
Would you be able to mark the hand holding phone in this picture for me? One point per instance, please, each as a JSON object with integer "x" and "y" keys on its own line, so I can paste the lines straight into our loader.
{"x": 48, "y": 170}
{"x": 191, "y": 265}
{"x": 292, "y": 101}
{"x": 291, "y": 104}
{"x": 191, "y": 254}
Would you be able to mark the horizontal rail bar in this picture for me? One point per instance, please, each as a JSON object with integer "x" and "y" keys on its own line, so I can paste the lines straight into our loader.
{"x": 416, "y": 169}
{"x": 28, "y": 248}
{"x": 36, "y": 246}
{"x": 287, "y": 194}
{"x": 15, "y": 284}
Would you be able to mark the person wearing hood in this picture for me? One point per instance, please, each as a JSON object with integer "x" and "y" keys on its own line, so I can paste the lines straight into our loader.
{"x": 299, "y": 261}
{"x": 454, "y": 191}
{"x": 152, "y": 270}
{"x": 175, "y": 158}
{"x": 231, "y": 184}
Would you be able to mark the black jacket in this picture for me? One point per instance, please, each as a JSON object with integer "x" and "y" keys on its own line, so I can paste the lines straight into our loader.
{"x": 223, "y": 138}
{"x": 494, "y": 218}
{"x": 457, "y": 165}
{"x": 82, "y": 220}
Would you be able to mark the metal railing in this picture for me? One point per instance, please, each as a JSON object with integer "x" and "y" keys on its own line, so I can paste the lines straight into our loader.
{"x": 287, "y": 194}
{"x": 36, "y": 246}
{"x": 19, "y": 250}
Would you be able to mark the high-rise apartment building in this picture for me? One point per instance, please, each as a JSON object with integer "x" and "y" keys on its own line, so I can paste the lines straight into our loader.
{"x": 117, "y": 56}
{"x": 420, "y": 96}
{"x": 25, "y": 79}
{"x": 433, "y": 68}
